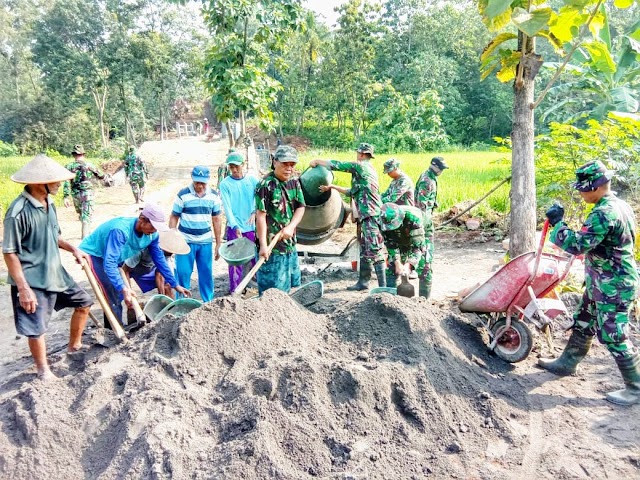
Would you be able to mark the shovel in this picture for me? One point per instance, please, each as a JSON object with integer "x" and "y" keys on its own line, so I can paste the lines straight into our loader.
{"x": 99, "y": 337}
{"x": 406, "y": 289}
{"x": 245, "y": 281}
{"x": 115, "y": 325}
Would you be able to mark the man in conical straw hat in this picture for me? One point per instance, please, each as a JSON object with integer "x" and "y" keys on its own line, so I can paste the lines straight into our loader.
{"x": 31, "y": 248}
{"x": 141, "y": 268}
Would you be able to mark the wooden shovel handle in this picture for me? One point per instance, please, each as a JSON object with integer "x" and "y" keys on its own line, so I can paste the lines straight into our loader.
{"x": 245, "y": 281}
{"x": 140, "y": 317}
{"x": 115, "y": 325}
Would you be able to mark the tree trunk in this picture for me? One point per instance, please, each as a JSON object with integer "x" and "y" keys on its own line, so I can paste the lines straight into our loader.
{"x": 523, "y": 185}
{"x": 232, "y": 142}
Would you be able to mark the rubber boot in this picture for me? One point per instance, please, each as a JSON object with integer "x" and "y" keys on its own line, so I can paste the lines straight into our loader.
{"x": 381, "y": 268}
{"x": 630, "y": 370}
{"x": 392, "y": 279}
{"x": 86, "y": 229}
{"x": 577, "y": 348}
{"x": 363, "y": 279}
{"x": 424, "y": 288}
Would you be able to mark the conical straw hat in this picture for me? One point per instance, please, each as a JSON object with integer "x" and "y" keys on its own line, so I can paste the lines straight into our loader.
{"x": 172, "y": 241}
{"x": 42, "y": 170}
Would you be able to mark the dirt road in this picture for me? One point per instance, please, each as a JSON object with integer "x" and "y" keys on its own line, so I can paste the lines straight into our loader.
{"x": 363, "y": 387}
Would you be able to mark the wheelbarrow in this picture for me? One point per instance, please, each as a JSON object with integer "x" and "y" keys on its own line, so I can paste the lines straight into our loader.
{"x": 516, "y": 297}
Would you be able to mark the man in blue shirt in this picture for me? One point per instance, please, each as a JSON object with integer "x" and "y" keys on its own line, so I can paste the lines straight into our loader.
{"x": 121, "y": 238}
{"x": 196, "y": 207}
{"x": 238, "y": 198}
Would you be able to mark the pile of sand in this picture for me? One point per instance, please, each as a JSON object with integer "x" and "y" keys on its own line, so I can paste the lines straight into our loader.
{"x": 266, "y": 389}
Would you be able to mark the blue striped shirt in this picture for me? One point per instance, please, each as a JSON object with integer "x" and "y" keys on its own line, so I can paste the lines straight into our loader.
{"x": 195, "y": 214}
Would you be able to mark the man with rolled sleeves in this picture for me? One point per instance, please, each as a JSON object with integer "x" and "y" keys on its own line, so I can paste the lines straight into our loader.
{"x": 426, "y": 194}
{"x": 400, "y": 190}
{"x": 31, "y": 248}
{"x": 365, "y": 195}
{"x": 607, "y": 240}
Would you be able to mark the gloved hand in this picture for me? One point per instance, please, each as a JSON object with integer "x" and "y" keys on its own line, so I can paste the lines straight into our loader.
{"x": 555, "y": 214}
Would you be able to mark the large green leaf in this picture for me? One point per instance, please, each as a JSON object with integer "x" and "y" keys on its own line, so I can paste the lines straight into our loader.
{"x": 601, "y": 58}
{"x": 533, "y": 21}
{"x": 497, "y": 7}
{"x": 622, "y": 3}
{"x": 498, "y": 40}
{"x": 625, "y": 99}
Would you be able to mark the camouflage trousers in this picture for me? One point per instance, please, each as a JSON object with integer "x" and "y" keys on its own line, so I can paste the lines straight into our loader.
{"x": 137, "y": 187}
{"x": 83, "y": 203}
{"x": 371, "y": 241}
{"x": 425, "y": 272}
{"x": 608, "y": 321}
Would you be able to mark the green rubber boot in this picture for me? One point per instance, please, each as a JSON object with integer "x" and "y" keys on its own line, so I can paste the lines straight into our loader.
{"x": 424, "y": 288}
{"x": 577, "y": 348}
{"x": 381, "y": 273}
{"x": 392, "y": 279}
{"x": 630, "y": 369}
{"x": 363, "y": 279}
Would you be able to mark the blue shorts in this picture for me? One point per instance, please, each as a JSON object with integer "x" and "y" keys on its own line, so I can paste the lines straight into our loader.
{"x": 33, "y": 325}
{"x": 281, "y": 272}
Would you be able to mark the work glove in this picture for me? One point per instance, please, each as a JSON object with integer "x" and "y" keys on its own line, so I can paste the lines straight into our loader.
{"x": 555, "y": 214}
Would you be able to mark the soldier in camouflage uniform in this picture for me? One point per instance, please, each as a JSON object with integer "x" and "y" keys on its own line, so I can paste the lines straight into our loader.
{"x": 365, "y": 196}
{"x": 400, "y": 190}
{"x": 279, "y": 208}
{"x": 404, "y": 237}
{"x": 80, "y": 188}
{"x": 425, "y": 199}
{"x": 607, "y": 240}
{"x": 137, "y": 172}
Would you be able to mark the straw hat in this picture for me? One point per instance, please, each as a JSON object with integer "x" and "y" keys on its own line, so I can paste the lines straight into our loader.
{"x": 172, "y": 241}
{"x": 42, "y": 170}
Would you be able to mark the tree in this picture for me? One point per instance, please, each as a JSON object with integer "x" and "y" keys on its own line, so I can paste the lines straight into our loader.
{"x": 244, "y": 35}
{"x": 570, "y": 25}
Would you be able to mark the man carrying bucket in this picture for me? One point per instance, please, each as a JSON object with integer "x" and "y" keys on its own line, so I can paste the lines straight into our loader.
{"x": 607, "y": 240}
{"x": 237, "y": 192}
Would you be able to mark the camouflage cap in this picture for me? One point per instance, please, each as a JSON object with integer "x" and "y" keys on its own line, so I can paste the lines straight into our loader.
{"x": 391, "y": 217}
{"x": 439, "y": 162}
{"x": 391, "y": 165}
{"x": 235, "y": 158}
{"x": 365, "y": 148}
{"x": 286, "y": 153}
{"x": 77, "y": 150}
{"x": 592, "y": 175}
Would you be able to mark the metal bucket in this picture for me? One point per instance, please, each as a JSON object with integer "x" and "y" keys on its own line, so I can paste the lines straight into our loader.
{"x": 179, "y": 308}
{"x": 238, "y": 251}
{"x": 155, "y": 305}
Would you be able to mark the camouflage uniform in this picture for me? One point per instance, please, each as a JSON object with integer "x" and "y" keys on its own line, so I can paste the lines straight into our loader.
{"x": 404, "y": 237}
{"x": 607, "y": 240}
{"x": 400, "y": 191}
{"x": 136, "y": 171}
{"x": 80, "y": 188}
{"x": 365, "y": 193}
{"x": 279, "y": 200}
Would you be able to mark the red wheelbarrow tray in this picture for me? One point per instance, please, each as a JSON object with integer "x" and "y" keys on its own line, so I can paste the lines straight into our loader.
{"x": 507, "y": 288}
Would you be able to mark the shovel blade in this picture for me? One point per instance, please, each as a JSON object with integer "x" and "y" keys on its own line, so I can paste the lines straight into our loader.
{"x": 406, "y": 289}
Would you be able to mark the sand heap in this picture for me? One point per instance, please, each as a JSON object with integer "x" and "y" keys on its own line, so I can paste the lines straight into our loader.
{"x": 266, "y": 389}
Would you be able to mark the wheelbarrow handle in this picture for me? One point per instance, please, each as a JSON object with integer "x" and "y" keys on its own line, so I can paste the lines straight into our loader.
{"x": 543, "y": 239}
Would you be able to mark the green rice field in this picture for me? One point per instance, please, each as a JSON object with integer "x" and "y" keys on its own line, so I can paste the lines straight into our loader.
{"x": 470, "y": 175}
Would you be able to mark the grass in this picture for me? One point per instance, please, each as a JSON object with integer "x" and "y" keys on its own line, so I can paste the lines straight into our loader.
{"x": 469, "y": 177}
{"x": 9, "y": 189}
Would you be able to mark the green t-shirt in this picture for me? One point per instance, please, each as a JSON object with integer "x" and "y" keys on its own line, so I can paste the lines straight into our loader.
{"x": 32, "y": 233}
{"x": 364, "y": 186}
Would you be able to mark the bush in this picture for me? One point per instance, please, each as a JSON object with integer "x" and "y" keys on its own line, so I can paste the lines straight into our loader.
{"x": 8, "y": 149}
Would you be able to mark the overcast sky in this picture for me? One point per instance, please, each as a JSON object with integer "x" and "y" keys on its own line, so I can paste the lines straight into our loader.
{"x": 325, "y": 9}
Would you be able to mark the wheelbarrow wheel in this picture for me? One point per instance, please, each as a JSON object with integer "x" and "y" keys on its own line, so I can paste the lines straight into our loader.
{"x": 516, "y": 343}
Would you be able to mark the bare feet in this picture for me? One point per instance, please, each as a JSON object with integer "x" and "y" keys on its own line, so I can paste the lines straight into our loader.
{"x": 77, "y": 348}
{"x": 46, "y": 375}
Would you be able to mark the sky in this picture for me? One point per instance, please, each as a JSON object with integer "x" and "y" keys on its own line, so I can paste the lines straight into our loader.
{"x": 325, "y": 8}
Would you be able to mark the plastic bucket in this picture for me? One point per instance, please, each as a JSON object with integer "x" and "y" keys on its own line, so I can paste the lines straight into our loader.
{"x": 179, "y": 308}
{"x": 391, "y": 290}
{"x": 238, "y": 251}
{"x": 155, "y": 305}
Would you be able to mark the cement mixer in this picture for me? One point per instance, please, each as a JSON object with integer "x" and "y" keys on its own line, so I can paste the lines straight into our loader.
{"x": 324, "y": 214}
